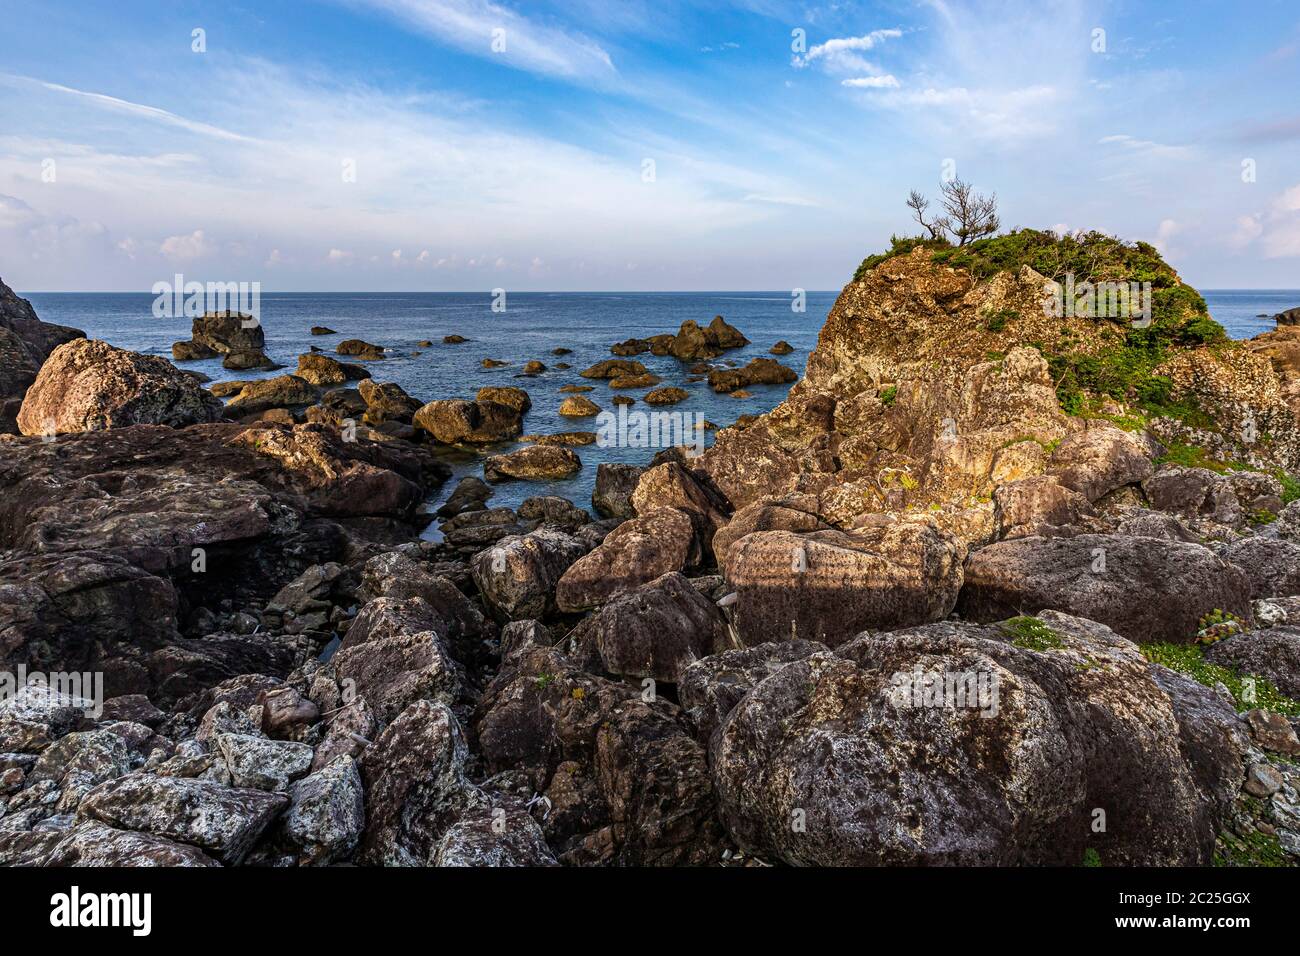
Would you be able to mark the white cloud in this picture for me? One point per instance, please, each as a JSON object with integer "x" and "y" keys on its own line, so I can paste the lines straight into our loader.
{"x": 871, "y": 82}
{"x": 841, "y": 53}
{"x": 183, "y": 248}
{"x": 469, "y": 25}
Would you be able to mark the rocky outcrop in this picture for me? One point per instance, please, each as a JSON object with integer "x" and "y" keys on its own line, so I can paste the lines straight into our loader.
{"x": 221, "y": 333}
{"x": 534, "y": 463}
{"x": 25, "y": 343}
{"x": 88, "y": 385}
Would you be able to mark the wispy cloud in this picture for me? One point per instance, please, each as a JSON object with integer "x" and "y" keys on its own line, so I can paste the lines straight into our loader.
{"x": 487, "y": 29}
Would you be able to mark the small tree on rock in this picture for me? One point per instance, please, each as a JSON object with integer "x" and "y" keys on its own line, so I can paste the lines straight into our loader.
{"x": 967, "y": 214}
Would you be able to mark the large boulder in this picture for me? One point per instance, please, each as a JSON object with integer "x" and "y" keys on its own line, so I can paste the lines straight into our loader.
{"x": 791, "y": 513}
{"x": 534, "y": 463}
{"x": 655, "y": 631}
{"x": 415, "y": 786}
{"x": 25, "y": 343}
{"x": 321, "y": 370}
{"x": 636, "y": 552}
{"x": 1097, "y": 460}
{"x": 1271, "y": 564}
{"x": 87, "y": 385}
{"x": 283, "y": 391}
{"x": 828, "y": 586}
{"x": 327, "y": 814}
{"x": 223, "y": 821}
{"x": 518, "y": 576}
{"x": 958, "y": 744}
{"x": 453, "y": 421}
{"x": 1146, "y": 589}
{"x": 615, "y": 484}
{"x": 1272, "y": 653}
{"x": 220, "y": 333}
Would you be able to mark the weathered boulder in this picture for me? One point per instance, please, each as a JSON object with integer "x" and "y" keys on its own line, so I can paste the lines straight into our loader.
{"x": 628, "y": 782}
{"x": 666, "y": 396}
{"x": 453, "y": 421}
{"x": 262, "y": 395}
{"x": 830, "y": 585}
{"x": 655, "y": 631}
{"x": 673, "y": 485}
{"x": 960, "y": 744}
{"x": 790, "y": 513}
{"x": 614, "y": 368}
{"x": 1040, "y": 505}
{"x": 470, "y": 494}
{"x": 1271, "y": 564}
{"x": 415, "y": 786}
{"x": 324, "y": 371}
{"x": 1097, "y": 460}
{"x": 534, "y": 463}
{"x": 578, "y": 406}
{"x": 248, "y": 359}
{"x": 488, "y": 837}
{"x": 711, "y": 687}
{"x": 507, "y": 395}
{"x": 360, "y": 349}
{"x": 759, "y": 371}
{"x": 223, "y": 821}
{"x": 615, "y": 483}
{"x": 1144, "y": 588}
{"x": 636, "y": 552}
{"x": 554, "y": 511}
{"x": 25, "y": 343}
{"x": 387, "y": 402}
{"x": 93, "y": 844}
{"x": 1273, "y": 653}
{"x": 327, "y": 814}
{"x": 225, "y": 332}
{"x": 517, "y": 577}
{"x": 263, "y": 764}
{"x": 87, "y": 385}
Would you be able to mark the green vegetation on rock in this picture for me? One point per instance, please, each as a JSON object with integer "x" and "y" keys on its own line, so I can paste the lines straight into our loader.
{"x": 1257, "y": 849}
{"x": 1031, "y": 634}
{"x": 1189, "y": 659}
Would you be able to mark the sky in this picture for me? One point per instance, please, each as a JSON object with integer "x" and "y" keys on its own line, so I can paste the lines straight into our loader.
{"x": 585, "y": 145}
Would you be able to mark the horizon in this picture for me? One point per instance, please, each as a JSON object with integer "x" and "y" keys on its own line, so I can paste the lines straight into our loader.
{"x": 386, "y": 145}
{"x": 488, "y": 292}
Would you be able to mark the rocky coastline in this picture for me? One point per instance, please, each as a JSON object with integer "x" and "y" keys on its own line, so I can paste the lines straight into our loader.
{"x": 989, "y": 587}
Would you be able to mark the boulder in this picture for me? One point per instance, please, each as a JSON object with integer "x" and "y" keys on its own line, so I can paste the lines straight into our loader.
{"x": 263, "y": 764}
{"x": 655, "y": 631}
{"x": 470, "y": 494}
{"x": 248, "y": 359}
{"x": 960, "y": 744}
{"x": 1145, "y": 589}
{"x": 284, "y": 391}
{"x": 534, "y": 463}
{"x": 360, "y": 349}
{"x": 635, "y": 553}
{"x": 509, "y": 396}
{"x": 223, "y": 821}
{"x": 614, "y": 368}
{"x": 90, "y": 844}
{"x": 666, "y": 396}
{"x": 453, "y": 421}
{"x": 25, "y": 343}
{"x": 577, "y": 406}
{"x": 1101, "y": 458}
{"x": 553, "y": 511}
{"x": 492, "y": 837}
{"x": 1272, "y": 565}
{"x": 415, "y": 787}
{"x": 759, "y": 371}
{"x": 87, "y": 385}
{"x": 518, "y": 576}
{"x": 791, "y": 513}
{"x": 1273, "y": 654}
{"x": 324, "y": 371}
{"x": 225, "y": 332}
{"x": 831, "y": 585}
{"x": 326, "y": 814}
{"x": 615, "y": 484}
{"x": 387, "y": 403}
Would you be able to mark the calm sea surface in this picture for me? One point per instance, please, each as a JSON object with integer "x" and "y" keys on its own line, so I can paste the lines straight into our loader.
{"x": 532, "y": 325}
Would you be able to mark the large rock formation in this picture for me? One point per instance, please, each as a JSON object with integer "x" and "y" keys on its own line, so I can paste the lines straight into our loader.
{"x": 25, "y": 343}
{"x": 87, "y": 385}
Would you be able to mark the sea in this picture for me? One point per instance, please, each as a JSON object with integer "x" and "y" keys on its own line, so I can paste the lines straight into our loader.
{"x": 530, "y": 327}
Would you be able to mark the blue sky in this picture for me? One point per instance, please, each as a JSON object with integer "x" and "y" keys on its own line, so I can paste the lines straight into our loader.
{"x": 628, "y": 146}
